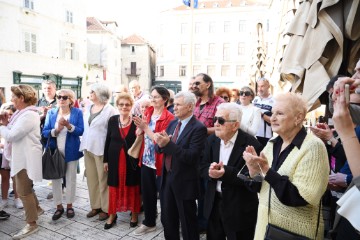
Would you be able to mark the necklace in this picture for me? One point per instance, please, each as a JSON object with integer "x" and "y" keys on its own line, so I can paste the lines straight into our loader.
{"x": 122, "y": 125}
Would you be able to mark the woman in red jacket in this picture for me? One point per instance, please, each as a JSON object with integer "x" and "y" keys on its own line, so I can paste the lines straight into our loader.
{"x": 157, "y": 119}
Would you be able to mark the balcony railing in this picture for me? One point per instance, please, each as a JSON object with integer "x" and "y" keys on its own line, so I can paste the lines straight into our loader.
{"x": 133, "y": 71}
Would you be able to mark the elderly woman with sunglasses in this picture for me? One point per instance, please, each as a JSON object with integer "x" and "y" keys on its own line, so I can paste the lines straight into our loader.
{"x": 64, "y": 125}
{"x": 251, "y": 119}
{"x": 23, "y": 148}
{"x": 295, "y": 169}
{"x": 224, "y": 93}
{"x": 96, "y": 118}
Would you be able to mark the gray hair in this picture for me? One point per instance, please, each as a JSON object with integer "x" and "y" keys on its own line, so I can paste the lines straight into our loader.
{"x": 189, "y": 97}
{"x": 102, "y": 92}
{"x": 70, "y": 93}
{"x": 234, "y": 110}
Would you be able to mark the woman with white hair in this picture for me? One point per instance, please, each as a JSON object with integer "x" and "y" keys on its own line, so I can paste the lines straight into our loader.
{"x": 96, "y": 120}
{"x": 64, "y": 125}
{"x": 295, "y": 169}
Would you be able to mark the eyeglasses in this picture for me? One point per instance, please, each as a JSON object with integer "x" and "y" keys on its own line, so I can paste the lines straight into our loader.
{"x": 196, "y": 83}
{"x": 258, "y": 178}
{"x": 124, "y": 105}
{"x": 246, "y": 93}
{"x": 225, "y": 97}
{"x": 154, "y": 97}
{"x": 62, "y": 97}
{"x": 221, "y": 120}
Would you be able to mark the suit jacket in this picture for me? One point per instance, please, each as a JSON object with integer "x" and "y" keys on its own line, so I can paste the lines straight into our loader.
{"x": 239, "y": 205}
{"x": 186, "y": 153}
{"x": 113, "y": 145}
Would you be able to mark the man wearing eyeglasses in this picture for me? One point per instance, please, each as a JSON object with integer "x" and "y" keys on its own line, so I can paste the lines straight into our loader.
{"x": 182, "y": 144}
{"x": 264, "y": 101}
{"x": 230, "y": 207}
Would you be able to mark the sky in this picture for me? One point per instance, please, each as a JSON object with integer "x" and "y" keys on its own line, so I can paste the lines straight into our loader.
{"x": 132, "y": 16}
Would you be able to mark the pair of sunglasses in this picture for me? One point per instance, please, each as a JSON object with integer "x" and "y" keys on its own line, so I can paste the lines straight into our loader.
{"x": 221, "y": 120}
{"x": 225, "y": 97}
{"x": 62, "y": 97}
{"x": 245, "y": 92}
{"x": 258, "y": 178}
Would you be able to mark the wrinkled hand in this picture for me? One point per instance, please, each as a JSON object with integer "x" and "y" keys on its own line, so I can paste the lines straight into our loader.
{"x": 140, "y": 123}
{"x": 216, "y": 170}
{"x": 162, "y": 138}
{"x": 138, "y": 132}
{"x": 338, "y": 179}
{"x": 322, "y": 131}
{"x": 4, "y": 118}
{"x": 63, "y": 122}
{"x": 254, "y": 162}
{"x": 106, "y": 167}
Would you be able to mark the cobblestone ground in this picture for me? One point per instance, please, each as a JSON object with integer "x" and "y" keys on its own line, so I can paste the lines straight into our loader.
{"x": 79, "y": 227}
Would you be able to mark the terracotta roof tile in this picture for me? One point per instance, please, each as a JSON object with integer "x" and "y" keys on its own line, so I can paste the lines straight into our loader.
{"x": 93, "y": 24}
{"x": 134, "y": 39}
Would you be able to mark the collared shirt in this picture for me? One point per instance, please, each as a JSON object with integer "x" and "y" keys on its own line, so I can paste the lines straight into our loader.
{"x": 183, "y": 124}
{"x": 44, "y": 103}
{"x": 206, "y": 114}
{"x": 284, "y": 189}
{"x": 225, "y": 152}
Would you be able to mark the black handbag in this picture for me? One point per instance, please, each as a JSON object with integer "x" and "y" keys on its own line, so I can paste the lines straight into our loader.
{"x": 53, "y": 163}
{"x": 276, "y": 233}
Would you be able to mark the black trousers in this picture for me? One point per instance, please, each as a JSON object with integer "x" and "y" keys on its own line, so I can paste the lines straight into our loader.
{"x": 216, "y": 229}
{"x": 149, "y": 195}
{"x": 175, "y": 211}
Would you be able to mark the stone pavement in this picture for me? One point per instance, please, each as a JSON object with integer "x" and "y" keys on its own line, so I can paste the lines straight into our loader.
{"x": 79, "y": 227}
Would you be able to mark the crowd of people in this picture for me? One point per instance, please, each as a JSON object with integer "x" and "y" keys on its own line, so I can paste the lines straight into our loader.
{"x": 209, "y": 155}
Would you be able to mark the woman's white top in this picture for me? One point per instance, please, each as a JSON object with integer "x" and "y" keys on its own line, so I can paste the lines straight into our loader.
{"x": 251, "y": 118}
{"x": 61, "y": 137}
{"x": 24, "y": 136}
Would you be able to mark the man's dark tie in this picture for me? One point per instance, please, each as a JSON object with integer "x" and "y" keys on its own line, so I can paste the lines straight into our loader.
{"x": 174, "y": 138}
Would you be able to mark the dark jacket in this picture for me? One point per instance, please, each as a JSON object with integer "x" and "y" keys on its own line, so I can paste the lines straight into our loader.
{"x": 239, "y": 205}
{"x": 113, "y": 145}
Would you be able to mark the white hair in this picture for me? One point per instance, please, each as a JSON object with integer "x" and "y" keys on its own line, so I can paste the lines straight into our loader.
{"x": 234, "y": 110}
{"x": 189, "y": 97}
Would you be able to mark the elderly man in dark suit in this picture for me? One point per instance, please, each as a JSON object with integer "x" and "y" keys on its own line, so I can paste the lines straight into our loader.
{"x": 230, "y": 207}
{"x": 182, "y": 144}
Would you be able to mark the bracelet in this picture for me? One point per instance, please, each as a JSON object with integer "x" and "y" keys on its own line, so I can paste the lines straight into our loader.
{"x": 348, "y": 138}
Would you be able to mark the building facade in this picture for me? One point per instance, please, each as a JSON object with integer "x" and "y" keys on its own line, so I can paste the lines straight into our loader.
{"x": 42, "y": 40}
{"x": 218, "y": 38}
{"x": 103, "y": 53}
{"x": 138, "y": 61}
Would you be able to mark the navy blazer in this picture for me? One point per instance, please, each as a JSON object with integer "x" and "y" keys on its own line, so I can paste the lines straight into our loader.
{"x": 239, "y": 204}
{"x": 186, "y": 154}
{"x": 72, "y": 143}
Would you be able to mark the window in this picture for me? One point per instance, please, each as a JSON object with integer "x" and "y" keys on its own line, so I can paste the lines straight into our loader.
{"x": 69, "y": 51}
{"x": 183, "y": 28}
{"x": 196, "y": 69}
{"x": 132, "y": 49}
{"x": 183, "y": 50}
{"x": 211, "y": 70}
{"x": 227, "y": 26}
{"x": 182, "y": 71}
{"x": 30, "y": 42}
{"x": 133, "y": 68}
{"x": 212, "y": 27}
{"x": 161, "y": 74}
{"x": 241, "y": 48}
{"x": 226, "y": 51}
{"x": 197, "y": 51}
{"x": 225, "y": 70}
{"x": 211, "y": 51}
{"x": 29, "y": 4}
{"x": 242, "y": 26}
{"x": 69, "y": 17}
{"x": 240, "y": 70}
{"x": 197, "y": 27}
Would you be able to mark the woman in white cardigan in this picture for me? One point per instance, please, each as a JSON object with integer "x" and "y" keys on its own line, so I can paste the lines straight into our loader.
{"x": 96, "y": 119}
{"x": 23, "y": 148}
{"x": 251, "y": 117}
